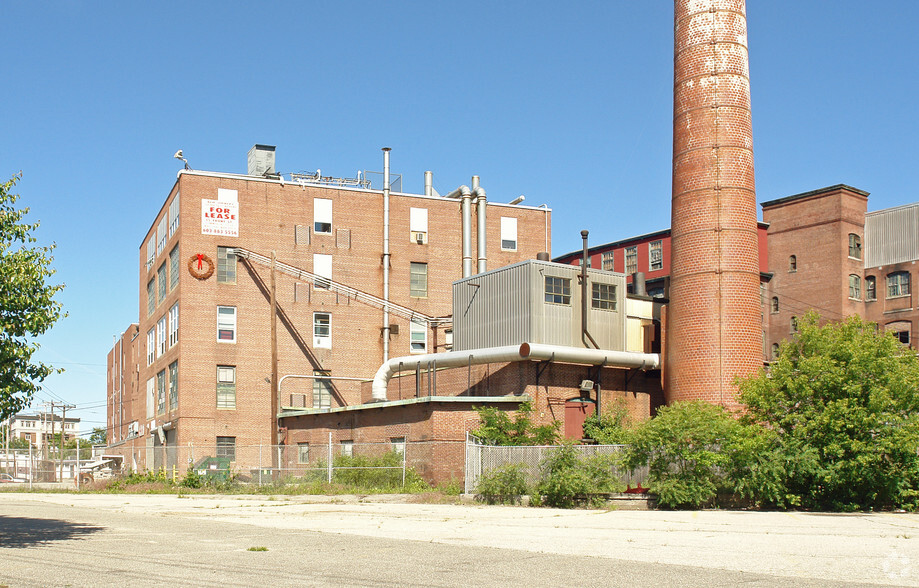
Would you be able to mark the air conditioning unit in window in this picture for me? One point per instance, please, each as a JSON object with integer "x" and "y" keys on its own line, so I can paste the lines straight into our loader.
{"x": 419, "y": 237}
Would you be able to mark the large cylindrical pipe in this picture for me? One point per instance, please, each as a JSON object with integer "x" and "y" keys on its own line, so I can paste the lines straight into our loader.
{"x": 428, "y": 183}
{"x": 481, "y": 204}
{"x": 467, "y": 233}
{"x": 386, "y": 254}
{"x": 713, "y": 322}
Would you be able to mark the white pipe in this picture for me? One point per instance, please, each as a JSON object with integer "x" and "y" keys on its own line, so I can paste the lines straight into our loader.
{"x": 428, "y": 183}
{"x": 481, "y": 231}
{"x": 510, "y": 353}
{"x": 386, "y": 252}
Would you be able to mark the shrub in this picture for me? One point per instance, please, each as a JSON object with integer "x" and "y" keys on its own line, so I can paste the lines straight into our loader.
{"x": 497, "y": 428}
{"x": 568, "y": 478}
{"x": 504, "y": 485}
{"x": 613, "y": 427}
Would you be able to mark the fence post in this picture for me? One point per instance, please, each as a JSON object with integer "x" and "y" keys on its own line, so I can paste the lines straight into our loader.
{"x": 330, "y": 458}
{"x": 404, "y": 459}
{"x": 31, "y": 466}
{"x": 259, "y": 464}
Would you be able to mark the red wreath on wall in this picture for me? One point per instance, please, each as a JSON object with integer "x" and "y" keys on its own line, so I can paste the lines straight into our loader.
{"x": 196, "y": 267}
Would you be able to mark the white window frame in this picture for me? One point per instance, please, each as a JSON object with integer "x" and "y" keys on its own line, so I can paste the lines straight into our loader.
{"x": 151, "y": 345}
{"x": 631, "y": 259}
{"x": 508, "y": 233}
{"x": 322, "y": 267}
{"x": 161, "y": 330}
{"x": 322, "y": 390}
{"x": 418, "y": 337}
{"x": 418, "y": 225}
{"x": 322, "y": 216}
{"x": 855, "y": 287}
{"x": 415, "y": 268}
{"x": 161, "y": 234}
{"x": 607, "y": 261}
{"x": 347, "y": 448}
{"x": 303, "y": 452}
{"x": 151, "y": 251}
{"x": 226, "y": 374}
{"x": 228, "y": 324}
{"x": 174, "y": 324}
{"x": 174, "y": 215}
{"x": 151, "y": 397}
{"x": 322, "y": 334}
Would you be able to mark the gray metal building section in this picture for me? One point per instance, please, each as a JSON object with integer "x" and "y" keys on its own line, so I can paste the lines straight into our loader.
{"x": 508, "y": 306}
{"x": 892, "y": 235}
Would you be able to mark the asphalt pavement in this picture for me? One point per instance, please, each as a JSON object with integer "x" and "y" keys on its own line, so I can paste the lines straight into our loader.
{"x": 160, "y": 540}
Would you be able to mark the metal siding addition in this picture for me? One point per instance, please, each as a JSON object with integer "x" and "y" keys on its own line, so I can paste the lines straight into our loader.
{"x": 892, "y": 236}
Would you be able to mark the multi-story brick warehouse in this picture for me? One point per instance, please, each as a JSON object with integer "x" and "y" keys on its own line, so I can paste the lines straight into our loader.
{"x": 197, "y": 366}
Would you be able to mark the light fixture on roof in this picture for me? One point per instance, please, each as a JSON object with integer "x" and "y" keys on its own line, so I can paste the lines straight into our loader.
{"x": 178, "y": 155}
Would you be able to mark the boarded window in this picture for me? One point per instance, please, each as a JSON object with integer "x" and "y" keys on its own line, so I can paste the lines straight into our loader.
{"x": 508, "y": 233}
{"x": 322, "y": 390}
{"x": 226, "y": 448}
{"x": 322, "y": 216}
{"x": 631, "y": 260}
{"x": 322, "y": 267}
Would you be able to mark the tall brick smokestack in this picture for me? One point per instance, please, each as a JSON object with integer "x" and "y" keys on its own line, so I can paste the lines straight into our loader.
{"x": 713, "y": 322}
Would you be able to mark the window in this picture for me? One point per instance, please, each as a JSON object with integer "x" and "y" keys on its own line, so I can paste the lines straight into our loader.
{"x": 775, "y": 351}
{"x": 508, "y": 233}
{"x": 162, "y": 275}
{"x": 151, "y": 391}
{"x": 174, "y": 324}
{"x": 174, "y": 215}
{"x": 897, "y": 284}
{"x": 226, "y": 266}
{"x": 322, "y": 216}
{"x": 558, "y": 290}
{"x": 855, "y": 287}
{"x": 151, "y": 251}
{"x": 173, "y": 268}
{"x": 448, "y": 339}
{"x": 161, "y": 392}
{"x": 322, "y": 330}
{"x": 226, "y": 448}
{"x": 173, "y": 385}
{"x": 226, "y": 324}
{"x": 161, "y": 235}
{"x": 792, "y": 263}
{"x": 603, "y": 296}
{"x": 418, "y": 225}
{"x": 871, "y": 288}
{"x": 418, "y": 280}
{"x": 418, "y": 337}
{"x": 631, "y": 260}
{"x": 322, "y": 267}
{"x": 161, "y": 336}
{"x": 347, "y": 448}
{"x": 900, "y": 330}
{"x": 606, "y": 261}
{"x": 398, "y": 445}
{"x": 303, "y": 452}
{"x": 151, "y": 346}
{"x": 794, "y": 324}
{"x": 151, "y": 297}
{"x": 775, "y": 304}
{"x": 656, "y": 255}
{"x": 322, "y": 390}
{"x": 226, "y": 386}
{"x": 855, "y": 246}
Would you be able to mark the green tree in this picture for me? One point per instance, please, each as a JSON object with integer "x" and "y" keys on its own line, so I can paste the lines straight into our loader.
{"x": 27, "y": 305}
{"x": 842, "y": 401}
{"x": 97, "y": 437}
{"x": 614, "y": 427}
{"x": 497, "y": 428}
{"x": 688, "y": 450}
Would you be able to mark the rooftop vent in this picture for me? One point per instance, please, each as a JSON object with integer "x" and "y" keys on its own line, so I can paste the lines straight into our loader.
{"x": 261, "y": 160}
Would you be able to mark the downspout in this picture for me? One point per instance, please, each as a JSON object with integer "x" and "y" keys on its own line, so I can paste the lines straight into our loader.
{"x": 466, "y": 194}
{"x": 510, "y": 353}
{"x": 386, "y": 254}
{"x": 585, "y": 334}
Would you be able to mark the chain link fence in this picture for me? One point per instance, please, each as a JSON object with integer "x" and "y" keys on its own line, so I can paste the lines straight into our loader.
{"x": 482, "y": 458}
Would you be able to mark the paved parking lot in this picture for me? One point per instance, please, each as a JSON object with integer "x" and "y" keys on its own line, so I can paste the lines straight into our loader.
{"x": 84, "y": 540}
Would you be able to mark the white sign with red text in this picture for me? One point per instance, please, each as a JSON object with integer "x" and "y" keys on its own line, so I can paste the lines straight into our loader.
{"x": 220, "y": 217}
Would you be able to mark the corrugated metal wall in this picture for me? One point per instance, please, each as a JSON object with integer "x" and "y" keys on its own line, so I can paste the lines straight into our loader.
{"x": 507, "y": 307}
{"x": 892, "y": 236}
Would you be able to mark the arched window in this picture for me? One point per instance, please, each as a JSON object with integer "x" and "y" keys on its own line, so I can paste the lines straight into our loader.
{"x": 897, "y": 284}
{"x": 792, "y": 263}
{"x": 855, "y": 246}
{"x": 775, "y": 304}
{"x": 871, "y": 288}
{"x": 794, "y": 324}
{"x": 855, "y": 287}
{"x": 775, "y": 351}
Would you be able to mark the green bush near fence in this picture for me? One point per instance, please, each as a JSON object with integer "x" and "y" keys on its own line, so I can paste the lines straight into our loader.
{"x": 504, "y": 485}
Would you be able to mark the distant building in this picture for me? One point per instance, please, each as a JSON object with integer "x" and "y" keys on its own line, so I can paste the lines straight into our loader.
{"x": 40, "y": 427}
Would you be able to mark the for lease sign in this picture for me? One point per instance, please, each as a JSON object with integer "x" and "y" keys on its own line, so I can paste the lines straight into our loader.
{"x": 220, "y": 217}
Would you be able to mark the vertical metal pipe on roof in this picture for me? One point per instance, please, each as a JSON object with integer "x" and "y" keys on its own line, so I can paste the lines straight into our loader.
{"x": 481, "y": 203}
{"x": 585, "y": 333}
{"x": 428, "y": 183}
{"x": 386, "y": 254}
{"x": 467, "y": 233}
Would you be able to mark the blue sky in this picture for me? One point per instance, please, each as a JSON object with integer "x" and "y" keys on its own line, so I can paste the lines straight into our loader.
{"x": 567, "y": 103}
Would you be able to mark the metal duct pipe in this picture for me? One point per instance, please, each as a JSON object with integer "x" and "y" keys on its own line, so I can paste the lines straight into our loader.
{"x": 428, "y": 183}
{"x": 386, "y": 254}
{"x": 638, "y": 284}
{"x": 481, "y": 202}
{"x": 585, "y": 333}
{"x": 466, "y": 194}
{"x": 510, "y": 353}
